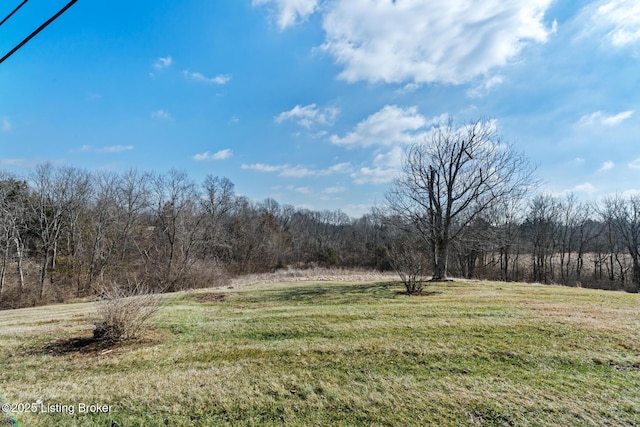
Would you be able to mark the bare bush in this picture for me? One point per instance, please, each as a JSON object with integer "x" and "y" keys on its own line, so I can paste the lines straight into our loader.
{"x": 409, "y": 262}
{"x": 204, "y": 274}
{"x": 124, "y": 310}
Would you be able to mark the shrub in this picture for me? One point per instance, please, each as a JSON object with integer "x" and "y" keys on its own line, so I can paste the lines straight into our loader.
{"x": 123, "y": 311}
{"x": 409, "y": 262}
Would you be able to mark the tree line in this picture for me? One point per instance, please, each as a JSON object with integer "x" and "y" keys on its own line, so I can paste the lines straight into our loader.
{"x": 65, "y": 232}
{"x": 545, "y": 239}
{"x": 464, "y": 197}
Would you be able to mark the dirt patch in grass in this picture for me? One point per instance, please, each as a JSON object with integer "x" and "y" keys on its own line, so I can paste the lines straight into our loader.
{"x": 90, "y": 346}
{"x": 419, "y": 294}
{"x": 83, "y": 345}
{"x": 207, "y": 297}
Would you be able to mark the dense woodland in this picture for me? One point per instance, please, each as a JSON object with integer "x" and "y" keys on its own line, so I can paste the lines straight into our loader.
{"x": 65, "y": 232}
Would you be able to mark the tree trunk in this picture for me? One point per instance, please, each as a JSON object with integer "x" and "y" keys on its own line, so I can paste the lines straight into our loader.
{"x": 635, "y": 287}
{"x": 3, "y": 269}
{"x": 441, "y": 258}
{"x": 43, "y": 272}
{"x": 19, "y": 253}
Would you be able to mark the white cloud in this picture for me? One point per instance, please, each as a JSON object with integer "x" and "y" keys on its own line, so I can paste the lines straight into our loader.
{"x": 385, "y": 168}
{"x": 622, "y": 21}
{"x": 161, "y": 115}
{"x": 290, "y": 12}
{"x": 391, "y": 159}
{"x": 109, "y": 149}
{"x": 344, "y": 167}
{"x": 334, "y": 190}
{"x": 16, "y": 163}
{"x": 302, "y": 190}
{"x": 222, "y": 154}
{"x": 220, "y": 79}
{"x": 309, "y": 115}
{"x": 375, "y": 175}
{"x": 608, "y": 165}
{"x": 318, "y": 134}
{"x": 162, "y": 63}
{"x": 600, "y": 118}
{"x": 219, "y": 155}
{"x": 408, "y": 88}
{"x": 449, "y": 41}
{"x": 116, "y": 148}
{"x": 587, "y": 187}
{"x": 261, "y": 167}
{"x": 84, "y": 149}
{"x": 298, "y": 171}
{"x": 579, "y": 160}
{"x": 391, "y": 125}
{"x": 635, "y": 164}
{"x": 6, "y": 125}
{"x": 617, "y": 118}
{"x": 357, "y": 210}
{"x": 485, "y": 87}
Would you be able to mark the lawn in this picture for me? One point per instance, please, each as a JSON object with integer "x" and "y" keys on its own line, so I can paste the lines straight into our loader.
{"x": 465, "y": 353}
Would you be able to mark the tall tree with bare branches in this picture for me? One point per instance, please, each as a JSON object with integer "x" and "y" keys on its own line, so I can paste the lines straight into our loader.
{"x": 453, "y": 176}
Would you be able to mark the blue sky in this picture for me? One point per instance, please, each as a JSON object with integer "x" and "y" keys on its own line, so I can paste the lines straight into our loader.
{"x": 311, "y": 102}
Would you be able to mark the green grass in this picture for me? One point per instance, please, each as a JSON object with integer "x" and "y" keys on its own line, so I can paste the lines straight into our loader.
{"x": 346, "y": 354}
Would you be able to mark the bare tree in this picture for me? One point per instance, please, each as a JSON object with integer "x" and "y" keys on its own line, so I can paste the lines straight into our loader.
{"x": 543, "y": 226}
{"x": 623, "y": 217}
{"x": 60, "y": 195}
{"x": 104, "y": 226}
{"x": 48, "y": 215}
{"x": 133, "y": 198}
{"x": 13, "y": 199}
{"x": 448, "y": 180}
{"x": 177, "y": 225}
{"x": 577, "y": 231}
{"x": 508, "y": 217}
{"x": 75, "y": 222}
{"x": 217, "y": 203}
{"x": 478, "y": 239}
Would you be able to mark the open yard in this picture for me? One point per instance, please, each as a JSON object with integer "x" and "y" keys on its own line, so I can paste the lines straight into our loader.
{"x": 335, "y": 353}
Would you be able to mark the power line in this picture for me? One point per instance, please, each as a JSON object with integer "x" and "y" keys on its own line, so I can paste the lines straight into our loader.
{"x": 14, "y": 11}
{"x": 40, "y": 28}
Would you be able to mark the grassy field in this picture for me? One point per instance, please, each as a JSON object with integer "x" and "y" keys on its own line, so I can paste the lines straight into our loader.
{"x": 465, "y": 353}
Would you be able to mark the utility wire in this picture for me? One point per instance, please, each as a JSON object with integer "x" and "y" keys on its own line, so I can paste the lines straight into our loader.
{"x": 14, "y": 11}
{"x": 40, "y": 28}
